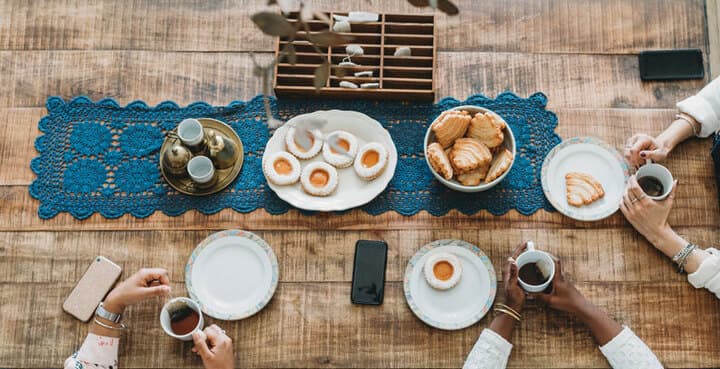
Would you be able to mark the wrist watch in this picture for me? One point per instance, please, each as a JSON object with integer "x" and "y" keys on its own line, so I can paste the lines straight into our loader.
{"x": 113, "y": 317}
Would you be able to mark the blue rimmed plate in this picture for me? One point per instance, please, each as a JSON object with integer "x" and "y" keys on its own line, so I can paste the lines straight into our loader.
{"x": 461, "y": 306}
{"x": 591, "y": 156}
{"x": 232, "y": 274}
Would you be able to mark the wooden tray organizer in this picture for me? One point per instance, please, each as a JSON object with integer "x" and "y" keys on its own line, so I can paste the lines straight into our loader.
{"x": 400, "y": 78}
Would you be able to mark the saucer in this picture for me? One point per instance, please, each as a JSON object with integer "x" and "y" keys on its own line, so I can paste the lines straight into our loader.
{"x": 464, "y": 304}
{"x": 586, "y": 155}
{"x": 232, "y": 274}
{"x": 352, "y": 191}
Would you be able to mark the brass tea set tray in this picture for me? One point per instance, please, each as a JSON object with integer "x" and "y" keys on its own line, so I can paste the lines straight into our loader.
{"x": 182, "y": 182}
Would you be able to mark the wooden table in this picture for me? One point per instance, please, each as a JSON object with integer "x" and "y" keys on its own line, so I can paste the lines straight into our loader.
{"x": 582, "y": 54}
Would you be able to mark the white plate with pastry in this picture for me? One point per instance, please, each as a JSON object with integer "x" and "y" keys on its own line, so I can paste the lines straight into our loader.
{"x": 584, "y": 178}
{"x": 450, "y": 284}
{"x": 319, "y": 178}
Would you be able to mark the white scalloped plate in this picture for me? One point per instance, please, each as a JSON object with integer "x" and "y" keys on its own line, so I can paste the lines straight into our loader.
{"x": 352, "y": 191}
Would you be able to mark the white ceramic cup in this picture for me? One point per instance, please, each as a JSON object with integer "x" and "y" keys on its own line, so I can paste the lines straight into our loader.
{"x": 201, "y": 169}
{"x": 190, "y": 132}
{"x": 659, "y": 172}
{"x": 165, "y": 317}
{"x": 545, "y": 263}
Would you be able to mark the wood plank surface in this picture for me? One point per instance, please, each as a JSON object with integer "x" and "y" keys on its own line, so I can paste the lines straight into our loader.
{"x": 581, "y": 53}
{"x": 713, "y": 30}
{"x": 559, "y": 26}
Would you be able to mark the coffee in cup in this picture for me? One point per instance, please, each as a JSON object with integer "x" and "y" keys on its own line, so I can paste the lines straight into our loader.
{"x": 655, "y": 180}
{"x": 537, "y": 269}
{"x": 181, "y": 317}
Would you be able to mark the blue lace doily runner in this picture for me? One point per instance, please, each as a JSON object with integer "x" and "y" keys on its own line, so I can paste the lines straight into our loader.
{"x": 102, "y": 157}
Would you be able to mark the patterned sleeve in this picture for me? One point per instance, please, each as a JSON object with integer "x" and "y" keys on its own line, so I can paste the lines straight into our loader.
{"x": 708, "y": 274}
{"x": 627, "y": 351}
{"x": 491, "y": 351}
{"x": 96, "y": 352}
{"x": 705, "y": 108}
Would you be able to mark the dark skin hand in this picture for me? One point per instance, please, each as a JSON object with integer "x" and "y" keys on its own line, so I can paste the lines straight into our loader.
{"x": 565, "y": 297}
{"x": 504, "y": 324}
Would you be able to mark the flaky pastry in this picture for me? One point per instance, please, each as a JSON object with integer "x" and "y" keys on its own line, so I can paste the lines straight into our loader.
{"x": 469, "y": 154}
{"x": 582, "y": 189}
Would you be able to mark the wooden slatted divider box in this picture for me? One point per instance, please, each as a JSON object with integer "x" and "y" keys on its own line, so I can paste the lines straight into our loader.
{"x": 399, "y": 78}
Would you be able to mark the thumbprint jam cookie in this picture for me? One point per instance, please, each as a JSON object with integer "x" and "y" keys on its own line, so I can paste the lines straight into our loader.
{"x": 371, "y": 161}
{"x": 319, "y": 179}
{"x": 346, "y": 141}
{"x": 303, "y": 151}
{"x": 281, "y": 168}
{"x": 442, "y": 270}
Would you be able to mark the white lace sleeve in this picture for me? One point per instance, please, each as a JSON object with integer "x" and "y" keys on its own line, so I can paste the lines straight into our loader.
{"x": 491, "y": 351}
{"x": 708, "y": 274}
{"x": 97, "y": 352}
{"x": 705, "y": 108}
{"x": 627, "y": 351}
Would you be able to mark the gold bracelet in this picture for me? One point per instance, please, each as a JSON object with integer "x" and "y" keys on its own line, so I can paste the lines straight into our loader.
{"x": 508, "y": 313}
{"x": 689, "y": 120}
{"x": 122, "y": 327}
{"x": 500, "y": 304}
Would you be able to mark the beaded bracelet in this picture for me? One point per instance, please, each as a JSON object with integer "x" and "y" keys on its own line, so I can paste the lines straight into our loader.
{"x": 681, "y": 257}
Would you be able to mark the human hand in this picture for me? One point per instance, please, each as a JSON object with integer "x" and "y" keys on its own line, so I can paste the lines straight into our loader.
{"x": 219, "y": 354}
{"x": 514, "y": 294}
{"x": 641, "y": 147}
{"x": 649, "y": 217}
{"x": 142, "y": 285}
{"x": 564, "y": 296}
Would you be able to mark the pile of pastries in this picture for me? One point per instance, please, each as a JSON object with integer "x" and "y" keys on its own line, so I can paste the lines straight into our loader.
{"x": 320, "y": 178}
{"x": 469, "y": 148}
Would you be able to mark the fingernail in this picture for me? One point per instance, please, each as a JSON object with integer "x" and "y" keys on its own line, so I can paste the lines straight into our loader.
{"x": 642, "y": 154}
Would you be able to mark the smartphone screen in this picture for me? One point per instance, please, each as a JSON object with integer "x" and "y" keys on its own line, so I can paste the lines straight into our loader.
{"x": 671, "y": 64}
{"x": 368, "y": 282}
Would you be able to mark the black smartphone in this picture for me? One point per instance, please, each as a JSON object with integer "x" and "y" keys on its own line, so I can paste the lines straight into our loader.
{"x": 368, "y": 280}
{"x": 671, "y": 64}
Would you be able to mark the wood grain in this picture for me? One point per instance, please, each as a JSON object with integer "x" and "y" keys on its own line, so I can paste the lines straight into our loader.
{"x": 570, "y": 81}
{"x": 315, "y": 325}
{"x": 713, "y": 30}
{"x": 560, "y": 26}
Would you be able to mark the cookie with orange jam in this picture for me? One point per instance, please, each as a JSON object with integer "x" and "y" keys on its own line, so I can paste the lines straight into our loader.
{"x": 281, "y": 168}
{"x": 371, "y": 161}
{"x": 319, "y": 179}
{"x": 442, "y": 270}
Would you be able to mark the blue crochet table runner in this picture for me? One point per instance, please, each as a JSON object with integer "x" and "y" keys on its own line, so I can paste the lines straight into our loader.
{"x": 102, "y": 157}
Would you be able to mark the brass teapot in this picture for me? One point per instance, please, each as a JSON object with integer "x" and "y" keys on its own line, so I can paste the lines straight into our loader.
{"x": 222, "y": 150}
{"x": 175, "y": 160}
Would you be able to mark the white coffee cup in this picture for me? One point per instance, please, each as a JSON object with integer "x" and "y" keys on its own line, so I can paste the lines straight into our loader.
{"x": 201, "y": 169}
{"x": 544, "y": 262}
{"x": 660, "y": 173}
{"x": 190, "y": 132}
{"x": 165, "y": 317}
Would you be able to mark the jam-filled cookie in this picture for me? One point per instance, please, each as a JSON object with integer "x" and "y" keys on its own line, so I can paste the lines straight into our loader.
{"x": 299, "y": 150}
{"x": 346, "y": 141}
{"x": 450, "y": 126}
{"x": 319, "y": 179}
{"x": 469, "y": 154}
{"x": 371, "y": 161}
{"x": 281, "y": 168}
{"x": 442, "y": 270}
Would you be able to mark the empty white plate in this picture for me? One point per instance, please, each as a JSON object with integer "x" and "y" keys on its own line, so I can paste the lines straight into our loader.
{"x": 352, "y": 191}
{"x": 232, "y": 274}
{"x": 591, "y": 156}
{"x": 461, "y": 306}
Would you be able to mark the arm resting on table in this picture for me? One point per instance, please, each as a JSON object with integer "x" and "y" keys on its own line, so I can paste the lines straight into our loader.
{"x": 96, "y": 352}
{"x": 491, "y": 351}
{"x": 627, "y": 351}
{"x": 708, "y": 273}
{"x": 705, "y": 108}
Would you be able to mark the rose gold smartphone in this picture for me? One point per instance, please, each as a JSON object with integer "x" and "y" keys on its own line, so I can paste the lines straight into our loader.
{"x": 92, "y": 288}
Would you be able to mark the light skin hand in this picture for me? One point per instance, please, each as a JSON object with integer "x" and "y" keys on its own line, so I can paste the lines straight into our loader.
{"x": 143, "y": 285}
{"x": 641, "y": 146}
{"x": 565, "y": 297}
{"x": 504, "y": 324}
{"x": 650, "y": 218}
{"x": 215, "y": 348}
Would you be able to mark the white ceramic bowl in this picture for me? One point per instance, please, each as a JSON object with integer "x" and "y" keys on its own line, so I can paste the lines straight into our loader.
{"x": 509, "y": 143}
